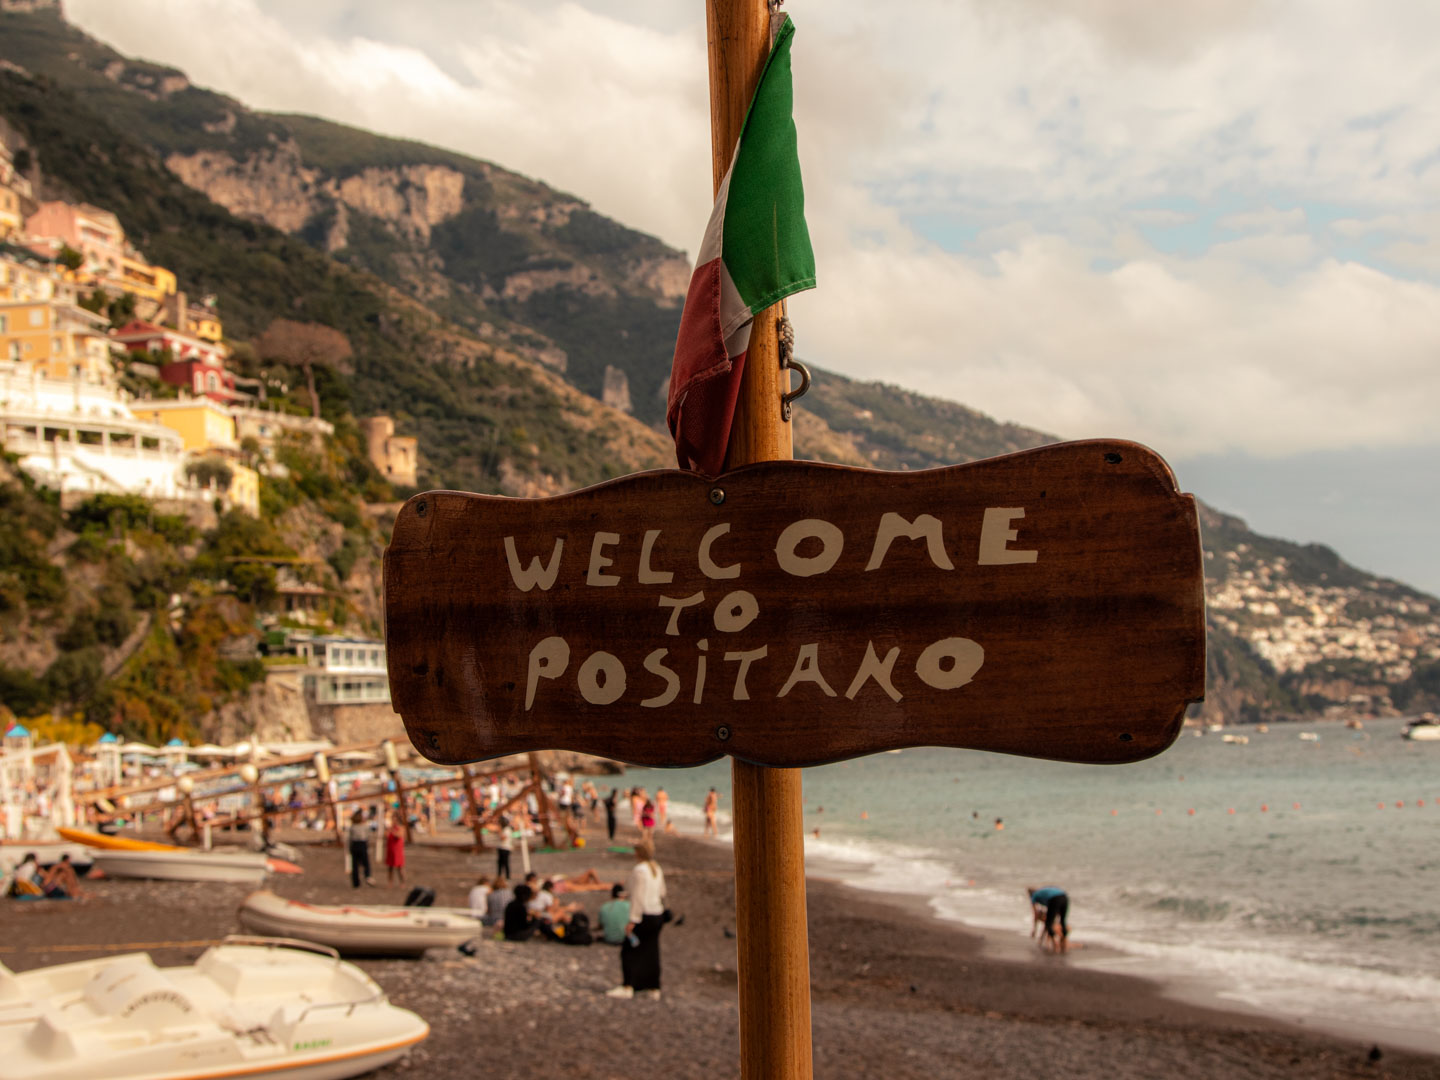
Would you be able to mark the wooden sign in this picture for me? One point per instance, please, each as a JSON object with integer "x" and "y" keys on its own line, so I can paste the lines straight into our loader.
{"x": 1048, "y": 603}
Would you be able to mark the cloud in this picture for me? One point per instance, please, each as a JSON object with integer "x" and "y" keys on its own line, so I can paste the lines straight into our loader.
{"x": 1189, "y": 358}
{"x": 1055, "y": 130}
{"x": 1267, "y": 220}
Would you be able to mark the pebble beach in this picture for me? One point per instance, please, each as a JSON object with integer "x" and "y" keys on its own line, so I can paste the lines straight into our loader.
{"x": 896, "y": 992}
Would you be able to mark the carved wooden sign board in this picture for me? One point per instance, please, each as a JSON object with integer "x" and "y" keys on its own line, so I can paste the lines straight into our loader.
{"x": 1047, "y": 603}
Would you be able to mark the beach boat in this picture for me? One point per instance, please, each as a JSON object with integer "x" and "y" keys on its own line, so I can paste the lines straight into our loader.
{"x": 359, "y": 930}
{"x": 185, "y": 864}
{"x": 1308, "y": 736}
{"x": 243, "y": 1009}
{"x": 1425, "y": 729}
{"x": 1238, "y": 740}
{"x": 106, "y": 842}
{"x": 103, "y": 842}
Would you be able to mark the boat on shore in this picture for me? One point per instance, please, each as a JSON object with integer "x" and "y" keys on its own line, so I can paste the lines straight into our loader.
{"x": 243, "y": 1009}
{"x": 359, "y": 930}
{"x": 1423, "y": 729}
{"x": 104, "y": 842}
{"x": 185, "y": 864}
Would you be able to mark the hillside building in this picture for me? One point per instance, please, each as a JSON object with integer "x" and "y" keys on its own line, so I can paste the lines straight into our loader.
{"x": 53, "y": 334}
{"x": 26, "y": 278}
{"x": 108, "y": 261}
{"x": 343, "y": 670}
{"x": 203, "y": 424}
{"x": 80, "y": 438}
{"x": 15, "y": 196}
{"x": 396, "y": 456}
{"x": 268, "y": 427}
{"x": 191, "y": 362}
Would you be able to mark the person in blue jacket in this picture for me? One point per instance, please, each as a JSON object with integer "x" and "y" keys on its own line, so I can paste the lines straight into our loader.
{"x": 1049, "y": 906}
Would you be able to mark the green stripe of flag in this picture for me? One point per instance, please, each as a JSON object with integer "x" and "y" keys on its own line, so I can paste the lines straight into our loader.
{"x": 766, "y": 246}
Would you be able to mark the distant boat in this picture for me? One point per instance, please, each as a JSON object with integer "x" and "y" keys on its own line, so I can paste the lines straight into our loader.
{"x": 1239, "y": 740}
{"x": 1214, "y": 727}
{"x": 1308, "y": 736}
{"x": 1263, "y": 729}
{"x": 1425, "y": 729}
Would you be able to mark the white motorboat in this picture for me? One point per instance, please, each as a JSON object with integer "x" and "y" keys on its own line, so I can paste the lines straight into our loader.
{"x": 1425, "y": 729}
{"x": 359, "y": 930}
{"x": 184, "y": 864}
{"x": 242, "y": 1010}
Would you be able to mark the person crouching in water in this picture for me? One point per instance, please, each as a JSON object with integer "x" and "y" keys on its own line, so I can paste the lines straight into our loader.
{"x": 640, "y": 953}
{"x": 1047, "y": 907}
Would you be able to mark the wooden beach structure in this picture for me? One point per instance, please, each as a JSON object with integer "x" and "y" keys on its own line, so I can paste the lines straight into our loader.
{"x": 322, "y": 771}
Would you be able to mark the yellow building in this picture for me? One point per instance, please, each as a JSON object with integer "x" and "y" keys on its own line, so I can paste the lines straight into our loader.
{"x": 204, "y": 324}
{"x": 141, "y": 279}
{"x": 202, "y": 423}
{"x": 11, "y": 216}
{"x": 244, "y": 491}
{"x": 25, "y": 280}
{"x": 55, "y": 335}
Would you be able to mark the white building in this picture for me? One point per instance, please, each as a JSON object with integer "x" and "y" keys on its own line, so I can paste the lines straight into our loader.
{"x": 343, "y": 670}
{"x": 80, "y": 438}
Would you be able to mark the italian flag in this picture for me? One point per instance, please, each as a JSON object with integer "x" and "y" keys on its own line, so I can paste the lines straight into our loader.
{"x": 755, "y": 253}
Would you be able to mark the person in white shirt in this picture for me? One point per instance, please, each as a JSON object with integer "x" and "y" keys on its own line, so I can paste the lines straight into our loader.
{"x": 542, "y": 901}
{"x": 480, "y": 897}
{"x": 640, "y": 953}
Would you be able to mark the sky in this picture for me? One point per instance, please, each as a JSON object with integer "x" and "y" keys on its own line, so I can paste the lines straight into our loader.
{"x": 1212, "y": 226}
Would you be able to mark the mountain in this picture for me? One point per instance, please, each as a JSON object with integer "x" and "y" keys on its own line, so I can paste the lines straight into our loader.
{"x": 493, "y": 316}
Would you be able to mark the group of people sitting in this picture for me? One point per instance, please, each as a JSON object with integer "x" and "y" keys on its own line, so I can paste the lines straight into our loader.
{"x": 533, "y": 909}
{"x": 56, "y": 882}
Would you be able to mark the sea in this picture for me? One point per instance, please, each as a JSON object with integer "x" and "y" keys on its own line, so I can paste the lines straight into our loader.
{"x": 1296, "y": 874}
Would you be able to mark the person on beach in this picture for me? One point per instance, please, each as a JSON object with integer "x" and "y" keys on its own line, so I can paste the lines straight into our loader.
{"x": 479, "y": 898}
{"x": 519, "y": 924}
{"x": 637, "y": 802}
{"x": 27, "y": 876}
{"x": 503, "y": 846}
{"x": 712, "y": 810}
{"x": 609, "y": 801}
{"x": 614, "y": 916}
{"x": 394, "y": 850}
{"x": 61, "y": 881}
{"x": 359, "y": 841}
{"x": 662, "y": 807}
{"x": 1047, "y": 907}
{"x": 499, "y": 899}
{"x": 640, "y": 953}
{"x": 647, "y": 822}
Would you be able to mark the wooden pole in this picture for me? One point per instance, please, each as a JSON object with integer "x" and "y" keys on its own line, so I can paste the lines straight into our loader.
{"x": 773, "y": 944}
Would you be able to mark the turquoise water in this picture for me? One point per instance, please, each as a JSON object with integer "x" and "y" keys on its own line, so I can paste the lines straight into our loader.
{"x": 1310, "y": 899}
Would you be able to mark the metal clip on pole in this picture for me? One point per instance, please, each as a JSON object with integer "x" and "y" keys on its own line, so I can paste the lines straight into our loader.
{"x": 786, "y": 334}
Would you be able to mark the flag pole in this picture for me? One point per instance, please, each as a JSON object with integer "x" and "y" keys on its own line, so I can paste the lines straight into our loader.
{"x": 768, "y": 823}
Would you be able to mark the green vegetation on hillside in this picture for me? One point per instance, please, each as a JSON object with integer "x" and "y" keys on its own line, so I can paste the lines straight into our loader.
{"x": 258, "y": 273}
